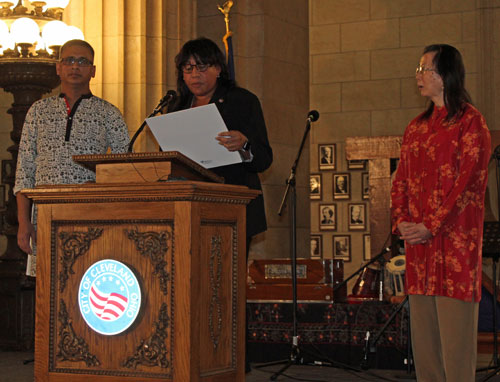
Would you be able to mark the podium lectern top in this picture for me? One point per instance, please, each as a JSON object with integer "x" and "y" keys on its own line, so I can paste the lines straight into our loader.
{"x": 145, "y": 167}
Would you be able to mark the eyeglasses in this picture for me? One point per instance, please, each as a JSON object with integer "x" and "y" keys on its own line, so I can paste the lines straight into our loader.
{"x": 80, "y": 61}
{"x": 188, "y": 68}
{"x": 420, "y": 70}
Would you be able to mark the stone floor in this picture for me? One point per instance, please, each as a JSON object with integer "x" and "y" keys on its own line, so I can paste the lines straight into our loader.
{"x": 13, "y": 368}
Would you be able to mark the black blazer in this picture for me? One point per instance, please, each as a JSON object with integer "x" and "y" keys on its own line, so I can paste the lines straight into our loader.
{"x": 241, "y": 110}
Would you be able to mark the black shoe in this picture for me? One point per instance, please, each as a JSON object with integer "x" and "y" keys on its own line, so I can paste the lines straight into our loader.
{"x": 248, "y": 369}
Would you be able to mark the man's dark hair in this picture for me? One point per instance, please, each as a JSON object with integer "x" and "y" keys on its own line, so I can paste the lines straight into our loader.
{"x": 449, "y": 65}
{"x": 203, "y": 51}
{"x": 76, "y": 42}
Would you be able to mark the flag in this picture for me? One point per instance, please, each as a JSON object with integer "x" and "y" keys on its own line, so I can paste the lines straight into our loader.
{"x": 107, "y": 306}
{"x": 228, "y": 43}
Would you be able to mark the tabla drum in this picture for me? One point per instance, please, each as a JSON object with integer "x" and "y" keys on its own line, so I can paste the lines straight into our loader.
{"x": 367, "y": 283}
{"x": 396, "y": 268}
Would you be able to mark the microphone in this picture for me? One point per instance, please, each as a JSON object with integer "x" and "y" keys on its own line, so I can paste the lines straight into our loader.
{"x": 312, "y": 116}
{"x": 171, "y": 96}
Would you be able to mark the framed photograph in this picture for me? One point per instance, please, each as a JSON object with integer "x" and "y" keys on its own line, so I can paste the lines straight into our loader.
{"x": 342, "y": 247}
{"x": 367, "y": 255}
{"x": 357, "y": 216}
{"x": 327, "y": 217}
{"x": 316, "y": 247}
{"x": 365, "y": 186}
{"x": 315, "y": 183}
{"x": 8, "y": 166}
{"x": 326, "y": 155}
{"x": 2, "y": 196}
{"x": 341, "y": 186}
{"x": 356, "y": 164}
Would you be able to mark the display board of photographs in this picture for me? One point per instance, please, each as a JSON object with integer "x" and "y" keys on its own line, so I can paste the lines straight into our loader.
{"x": 342, "y": 207}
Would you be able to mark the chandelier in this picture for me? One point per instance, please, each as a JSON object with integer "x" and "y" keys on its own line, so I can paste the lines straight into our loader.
{"x": 34, "y": 29}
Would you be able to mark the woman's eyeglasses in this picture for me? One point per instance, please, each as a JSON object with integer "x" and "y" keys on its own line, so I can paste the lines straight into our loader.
{"x": 188, "y": 68}
{"x": 420, "y": 70}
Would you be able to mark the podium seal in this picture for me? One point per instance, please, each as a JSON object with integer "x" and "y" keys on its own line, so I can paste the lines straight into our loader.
{"x": 109, "y": 297}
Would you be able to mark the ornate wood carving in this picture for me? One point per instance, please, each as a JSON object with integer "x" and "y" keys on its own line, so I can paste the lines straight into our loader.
{"x": 215, "y": 309}
{"x": 71, "y": 347}
{"x": 73, "y": 245}
{"x": 153, "y": 245}
{"x": 152, "y": 351}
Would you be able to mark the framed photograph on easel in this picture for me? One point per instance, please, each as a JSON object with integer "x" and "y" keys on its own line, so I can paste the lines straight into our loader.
{"x": 327, "y": 217}
{"x": 342, "y": 247}
{"x": 357, "y": 216}
{"x": 341, "y": 186}
{"x": 326, "y": 155}
{"x": 315, "y": 184}
{"x": 316, "y": 247}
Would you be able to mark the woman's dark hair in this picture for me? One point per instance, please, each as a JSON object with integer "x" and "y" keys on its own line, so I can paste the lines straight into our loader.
{"x": 204, "y": 51}
{"x": 449, "y": 65}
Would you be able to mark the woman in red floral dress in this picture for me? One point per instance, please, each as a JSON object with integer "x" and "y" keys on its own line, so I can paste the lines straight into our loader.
{"x": 438, "y": 209}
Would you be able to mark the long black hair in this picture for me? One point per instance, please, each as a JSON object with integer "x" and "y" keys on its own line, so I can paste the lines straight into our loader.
{"x": 449, "y": 65}
{"x": 203, "y": 51}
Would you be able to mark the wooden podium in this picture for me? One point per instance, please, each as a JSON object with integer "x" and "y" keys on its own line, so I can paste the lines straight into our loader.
{"x": 185, "y": 243}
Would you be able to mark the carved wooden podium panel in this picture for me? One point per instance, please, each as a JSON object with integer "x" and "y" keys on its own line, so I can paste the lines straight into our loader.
{"x": 184, "y": 241}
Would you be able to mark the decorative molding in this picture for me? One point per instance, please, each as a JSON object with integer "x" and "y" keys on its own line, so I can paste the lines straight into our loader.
{"x": 115, "y": 199}
{"x": 153, "y": 245}
{"x": 152, "y": 351}
{"x": 215, "y": 271}
{"x": 74, "y": 245}
{"x": 71, "y": 347}
{"x": 234, "y": 281}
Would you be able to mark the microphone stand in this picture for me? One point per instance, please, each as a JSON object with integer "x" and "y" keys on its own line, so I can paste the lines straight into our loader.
{"x": 291, "y": 189}
{"x": 290, "y": 192}
{"x": 165, "y": 101}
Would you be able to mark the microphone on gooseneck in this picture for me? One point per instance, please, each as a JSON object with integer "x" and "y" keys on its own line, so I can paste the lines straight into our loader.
{"x": 312, "y": 116}
{"x": 167, "y": 99}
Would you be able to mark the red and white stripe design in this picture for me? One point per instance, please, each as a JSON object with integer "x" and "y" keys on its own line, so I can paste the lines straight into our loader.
{"x": 107, "y": 306}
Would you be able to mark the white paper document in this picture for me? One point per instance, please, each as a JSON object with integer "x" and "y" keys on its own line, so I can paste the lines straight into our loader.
{"x": 192, "y": 132}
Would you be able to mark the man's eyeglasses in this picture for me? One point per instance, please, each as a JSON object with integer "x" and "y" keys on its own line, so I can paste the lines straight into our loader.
{"x": 80, "y": 61}
{"x": 188, "y": 68}
{"x": 421, "y": 69}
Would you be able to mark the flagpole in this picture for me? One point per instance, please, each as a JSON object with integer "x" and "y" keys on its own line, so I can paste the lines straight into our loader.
{"x": 227, "y": 39}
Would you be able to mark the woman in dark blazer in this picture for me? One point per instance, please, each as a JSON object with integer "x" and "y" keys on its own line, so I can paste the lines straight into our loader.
{"x": 203, "y": 78}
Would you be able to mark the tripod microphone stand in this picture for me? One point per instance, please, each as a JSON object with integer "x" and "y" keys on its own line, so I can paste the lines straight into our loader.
{"x": 371, "y": 344}
{"x": 291, "y": 191}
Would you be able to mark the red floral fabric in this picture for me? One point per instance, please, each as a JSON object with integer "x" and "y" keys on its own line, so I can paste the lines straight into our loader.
{"x": 440, "y": 182}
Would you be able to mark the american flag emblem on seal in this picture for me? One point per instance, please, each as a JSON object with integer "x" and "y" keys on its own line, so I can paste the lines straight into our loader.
{"x": 109, "y": 297}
